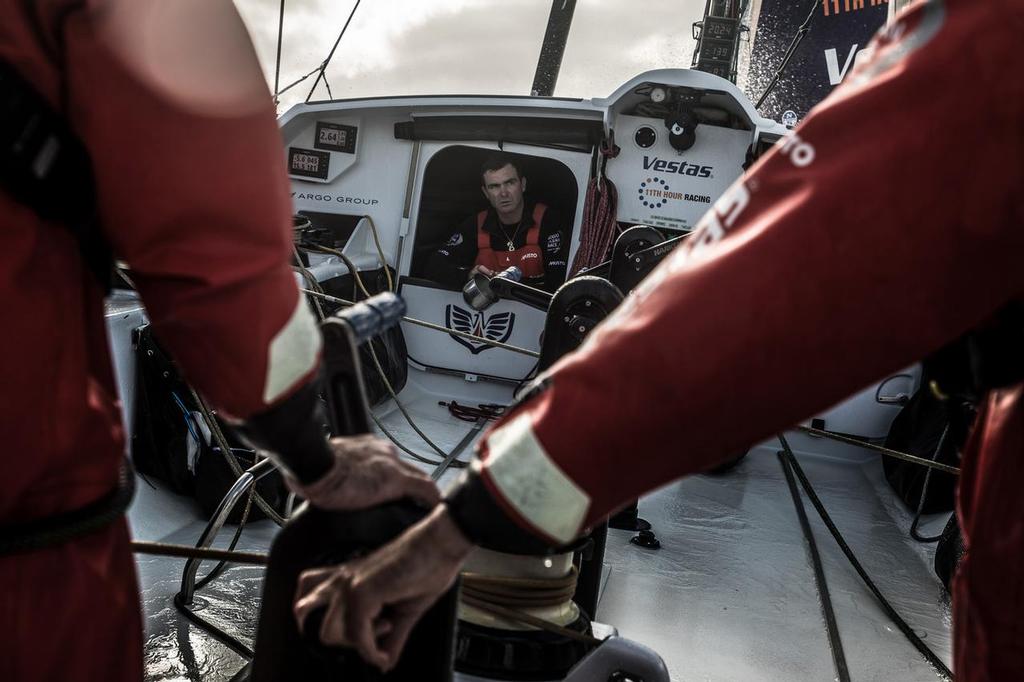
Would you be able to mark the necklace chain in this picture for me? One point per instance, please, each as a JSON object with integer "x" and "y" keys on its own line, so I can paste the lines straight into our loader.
{"x": 504, "y": 232}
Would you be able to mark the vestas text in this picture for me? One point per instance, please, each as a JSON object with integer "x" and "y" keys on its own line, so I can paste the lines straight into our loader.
{"x": 680, "y": 167}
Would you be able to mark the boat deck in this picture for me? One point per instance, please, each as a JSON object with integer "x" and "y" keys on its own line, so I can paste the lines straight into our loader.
{"x": 729, "y": 596}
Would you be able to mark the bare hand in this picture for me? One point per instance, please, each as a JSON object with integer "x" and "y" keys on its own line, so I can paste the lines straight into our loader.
{"x": 367, "y": 472}
{"x": 374, "y": 602}
{"x": 482, "y": 269}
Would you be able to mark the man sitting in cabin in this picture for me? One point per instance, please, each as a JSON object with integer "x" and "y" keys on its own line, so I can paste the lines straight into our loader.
{"x": 530, "y": 236}
{"x": 835, "y": 260}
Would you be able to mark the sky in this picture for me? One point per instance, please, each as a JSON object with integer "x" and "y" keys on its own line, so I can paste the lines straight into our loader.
{"x": 407, "y": 47}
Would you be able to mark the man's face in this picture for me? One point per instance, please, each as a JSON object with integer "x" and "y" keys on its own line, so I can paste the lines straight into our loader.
{"x": 504, "y": 189}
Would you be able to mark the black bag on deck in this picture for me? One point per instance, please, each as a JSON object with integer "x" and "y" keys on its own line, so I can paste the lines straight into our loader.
{"x": 917, "y": 430}
{"x": 162, "y": 424}
{"x": 214, "y": 478}
{"x": 167, "y": 419}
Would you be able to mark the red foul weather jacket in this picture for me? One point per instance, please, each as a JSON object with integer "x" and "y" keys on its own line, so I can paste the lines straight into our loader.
{"x": 888, "y": 224}
{"x": 192, "y": 194}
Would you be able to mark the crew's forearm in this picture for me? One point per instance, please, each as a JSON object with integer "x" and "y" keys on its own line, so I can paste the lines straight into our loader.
{"x": 448, "y": 538}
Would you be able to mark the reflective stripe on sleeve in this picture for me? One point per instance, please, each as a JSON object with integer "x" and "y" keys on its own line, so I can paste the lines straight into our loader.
{"x": 531, "y": 482}
{"x": 293, "y": 352}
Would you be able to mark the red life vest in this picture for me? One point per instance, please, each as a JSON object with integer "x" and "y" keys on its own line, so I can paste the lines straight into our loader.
{"x": 527, "y": 258}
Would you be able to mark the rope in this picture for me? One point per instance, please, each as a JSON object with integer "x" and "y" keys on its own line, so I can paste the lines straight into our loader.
{"x": 311, "y": 282}
{"x": 835, "y": 643}
{"x": 229, "y": 456}
{"x": 504, "y": 597}
{"x": 520, "y": 592}
{"x": 878, "y": 448}
{"x": 71, "y": 524}
{"x": 380, "y": 252}
{"x": 376, "y": 361}
{"x": 520, "y": 617}
{"x": 597, "y": 232}
{"x": 412, "y": 453}
{"x": 929, "y": 655}
{"x": 189, "y": 552}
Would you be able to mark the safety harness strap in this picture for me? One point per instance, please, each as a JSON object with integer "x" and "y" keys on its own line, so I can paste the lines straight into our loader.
{"x": 533, "y": 234}
{"x": 483, "y": 237}
{"x": 64, "y": 527}
{"x": 44, "y": 166}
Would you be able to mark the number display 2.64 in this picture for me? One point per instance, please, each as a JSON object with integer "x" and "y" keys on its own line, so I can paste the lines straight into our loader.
{"x": 335, "y": 137}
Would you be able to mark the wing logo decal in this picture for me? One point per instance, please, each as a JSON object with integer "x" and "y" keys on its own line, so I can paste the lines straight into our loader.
{"x": 497, "y": 327}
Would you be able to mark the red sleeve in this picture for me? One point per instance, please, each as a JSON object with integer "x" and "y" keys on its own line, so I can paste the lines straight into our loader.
{"x": 173, "y": 107}
{"x": 888, "y": 224}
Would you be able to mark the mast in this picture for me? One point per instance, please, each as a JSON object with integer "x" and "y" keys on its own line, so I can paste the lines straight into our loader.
{"x": 718, "y": 38}
{"x": 550, "y": 60}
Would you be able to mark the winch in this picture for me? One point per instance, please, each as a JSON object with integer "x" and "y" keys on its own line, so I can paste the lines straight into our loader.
{"x": 485, "y": 645}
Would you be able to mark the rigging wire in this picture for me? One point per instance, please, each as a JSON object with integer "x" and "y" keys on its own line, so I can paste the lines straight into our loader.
{"x": 801, "y": 33}
{"x": 294, "y": 83}
{"x": 277, "y": 68}
{"x": 323, "y": 67}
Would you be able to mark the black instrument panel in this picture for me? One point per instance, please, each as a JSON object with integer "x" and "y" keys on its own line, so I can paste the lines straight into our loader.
{"x": 335, "y": 137}
{"x": 308, "y": 163}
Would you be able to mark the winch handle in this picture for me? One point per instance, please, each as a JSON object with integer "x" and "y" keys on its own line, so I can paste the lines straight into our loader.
{"x": 477, "y": 292}
{"x": 617, "y": 656}
{"x": 483, "y": 291}
{"x": 371, "y": 317}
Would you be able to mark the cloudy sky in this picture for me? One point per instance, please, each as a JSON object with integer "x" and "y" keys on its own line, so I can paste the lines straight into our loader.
{"x": 397, "y": 47}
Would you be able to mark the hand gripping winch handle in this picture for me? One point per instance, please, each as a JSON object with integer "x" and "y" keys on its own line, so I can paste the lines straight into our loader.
{"x": 373, "y": 316}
